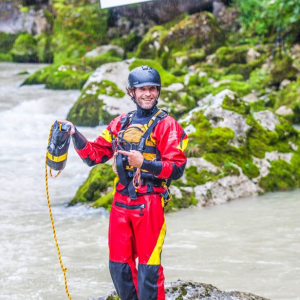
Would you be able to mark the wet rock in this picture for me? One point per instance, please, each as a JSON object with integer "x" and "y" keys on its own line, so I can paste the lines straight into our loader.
{"x": 250, "y": 98}
{"x": 15, "y": 21}
{"x": 175, "y": 87}
{"x": 104, "y": 49}
{"x": 283, "y": 110}
{"x": 281, "y": 69}
{"x": 252, "y": 55}
{"x": 284, "y": 83}
{"x": 267, "y": 119}
{"x": 248, "y": 150}
{"x": 265, "y": 163}
{"x": 186, "y": 42}
{"x": 190, "y": 290}
{"x": 225, "y": 189}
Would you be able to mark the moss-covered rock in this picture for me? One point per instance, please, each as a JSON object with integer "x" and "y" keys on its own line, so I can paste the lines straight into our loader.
{"x": 225, "y": 56}
{"x": 176, "y": 103}
{"x": 7, "y": 41}
{"x": 96, "y": 61}
{"x": 248, "y": 159}
{"x": 199, "y": 30}
{"x": 45, "y": 51}
{"x": 282, "y": 69}
{"x": 78, "y": 28}
{"x": 247, "y": 68}
{"x": 88, "y": 109}
{"x": 189, "y": 290}
{"x": 6, "y": 57}
{"x": 186, "y": 41}
{"x": 100, "y": 179}
{"x": 289, "y": 97}
{"x": 61, "y": 76}
{"x": 25, "y": 49}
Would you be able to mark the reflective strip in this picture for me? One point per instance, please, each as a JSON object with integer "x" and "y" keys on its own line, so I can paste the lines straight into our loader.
{"x": 184, "y": 144}
{"x": 57, "y": 158}
{"x": 106, "y": 135}
{"x": 115, "y": 184}
{"x": 149, "y": 156}
{"x": 155, "y": 256}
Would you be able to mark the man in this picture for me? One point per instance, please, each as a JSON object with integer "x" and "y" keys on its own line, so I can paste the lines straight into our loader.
{"x": 147, "y": 146}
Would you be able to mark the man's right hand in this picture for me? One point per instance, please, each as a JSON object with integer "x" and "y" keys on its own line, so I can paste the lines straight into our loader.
{"x": 72, "y": 131}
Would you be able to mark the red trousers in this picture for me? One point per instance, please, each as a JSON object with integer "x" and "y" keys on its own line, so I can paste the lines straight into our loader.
{"x": 137, "y": 229}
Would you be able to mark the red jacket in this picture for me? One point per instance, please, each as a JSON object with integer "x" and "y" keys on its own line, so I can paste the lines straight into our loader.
{"x": 170, "y": 138}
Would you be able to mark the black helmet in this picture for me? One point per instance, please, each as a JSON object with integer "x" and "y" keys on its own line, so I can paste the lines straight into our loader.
{"x": 143, "y": 76}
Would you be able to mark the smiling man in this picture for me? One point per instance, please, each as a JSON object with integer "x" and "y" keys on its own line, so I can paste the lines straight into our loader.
{"x": 147, "y": 146}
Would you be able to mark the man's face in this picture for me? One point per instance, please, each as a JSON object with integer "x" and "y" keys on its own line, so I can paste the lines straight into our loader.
{"x": 146, "y": 96}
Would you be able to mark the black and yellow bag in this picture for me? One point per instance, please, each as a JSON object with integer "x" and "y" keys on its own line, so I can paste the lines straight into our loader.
{"x": 58, "y": 146}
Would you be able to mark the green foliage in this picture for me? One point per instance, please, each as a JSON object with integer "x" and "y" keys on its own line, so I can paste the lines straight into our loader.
{"x": 262, "y": 17}
{"x": 282, "y": 176}
{"x": 225, "y": 56}
{"x": 88, "y": 109}
{"x": 100, "y": 179}
{"x": 6, "y": 57}
{"x": 45, "y": 51}
{"x": 290, "y": 97}
{"x": 25, "y": 49}
{"x": 6, "y": 42}
{"x": 187, "y": 200}
{"x": 236, "y": 104}
{"x": 78, "y": 29}
{"x": 282, "y": 69}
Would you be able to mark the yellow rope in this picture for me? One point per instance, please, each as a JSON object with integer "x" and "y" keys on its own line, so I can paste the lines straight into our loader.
{"x": 52, "y": 222}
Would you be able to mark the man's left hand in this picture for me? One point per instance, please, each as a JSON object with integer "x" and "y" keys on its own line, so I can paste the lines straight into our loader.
{"x": 135, "y": 158}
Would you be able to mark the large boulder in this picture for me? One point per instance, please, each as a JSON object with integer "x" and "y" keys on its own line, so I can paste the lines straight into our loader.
{"x": 189, "y": 290}
{"x": 61, "y": 76}
{"x": 15, "y": 19}
{"x": 282, "y": 68}
{"x": 25, "y": 49}
{"x": 252, "y": 153}
{"x": 192, "y": 35}
{"x": 288, "y": 102}
{"x": 78, "y": 29}
{"x": 103, "y": 96}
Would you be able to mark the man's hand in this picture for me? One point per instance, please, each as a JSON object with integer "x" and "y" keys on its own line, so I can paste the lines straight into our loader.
{"x": 135, "y": 158}
{"x": 72, "y": 131}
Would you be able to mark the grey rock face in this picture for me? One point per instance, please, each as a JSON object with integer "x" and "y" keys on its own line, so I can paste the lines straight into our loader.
{"x": 283, "y": 111}
{"x": 225, "y": 189}
{"x": 234, "y": 186}
{"x": 12, "y": 20}
{"x": 267, "y": 119}
{"x": 220, "y": 117}
{"x": 110, "y": 72}
{"x": 189, "y": 290}
{"x": 103, "y": 49}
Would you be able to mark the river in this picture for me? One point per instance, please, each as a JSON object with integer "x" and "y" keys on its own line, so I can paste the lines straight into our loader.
{"x": 250, "y": 244}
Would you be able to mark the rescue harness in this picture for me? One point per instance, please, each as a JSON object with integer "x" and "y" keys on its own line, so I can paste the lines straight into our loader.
{"x": 138, "y": 137}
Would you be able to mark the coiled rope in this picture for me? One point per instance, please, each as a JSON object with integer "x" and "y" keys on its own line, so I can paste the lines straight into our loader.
{"x": 52, "y": 222}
